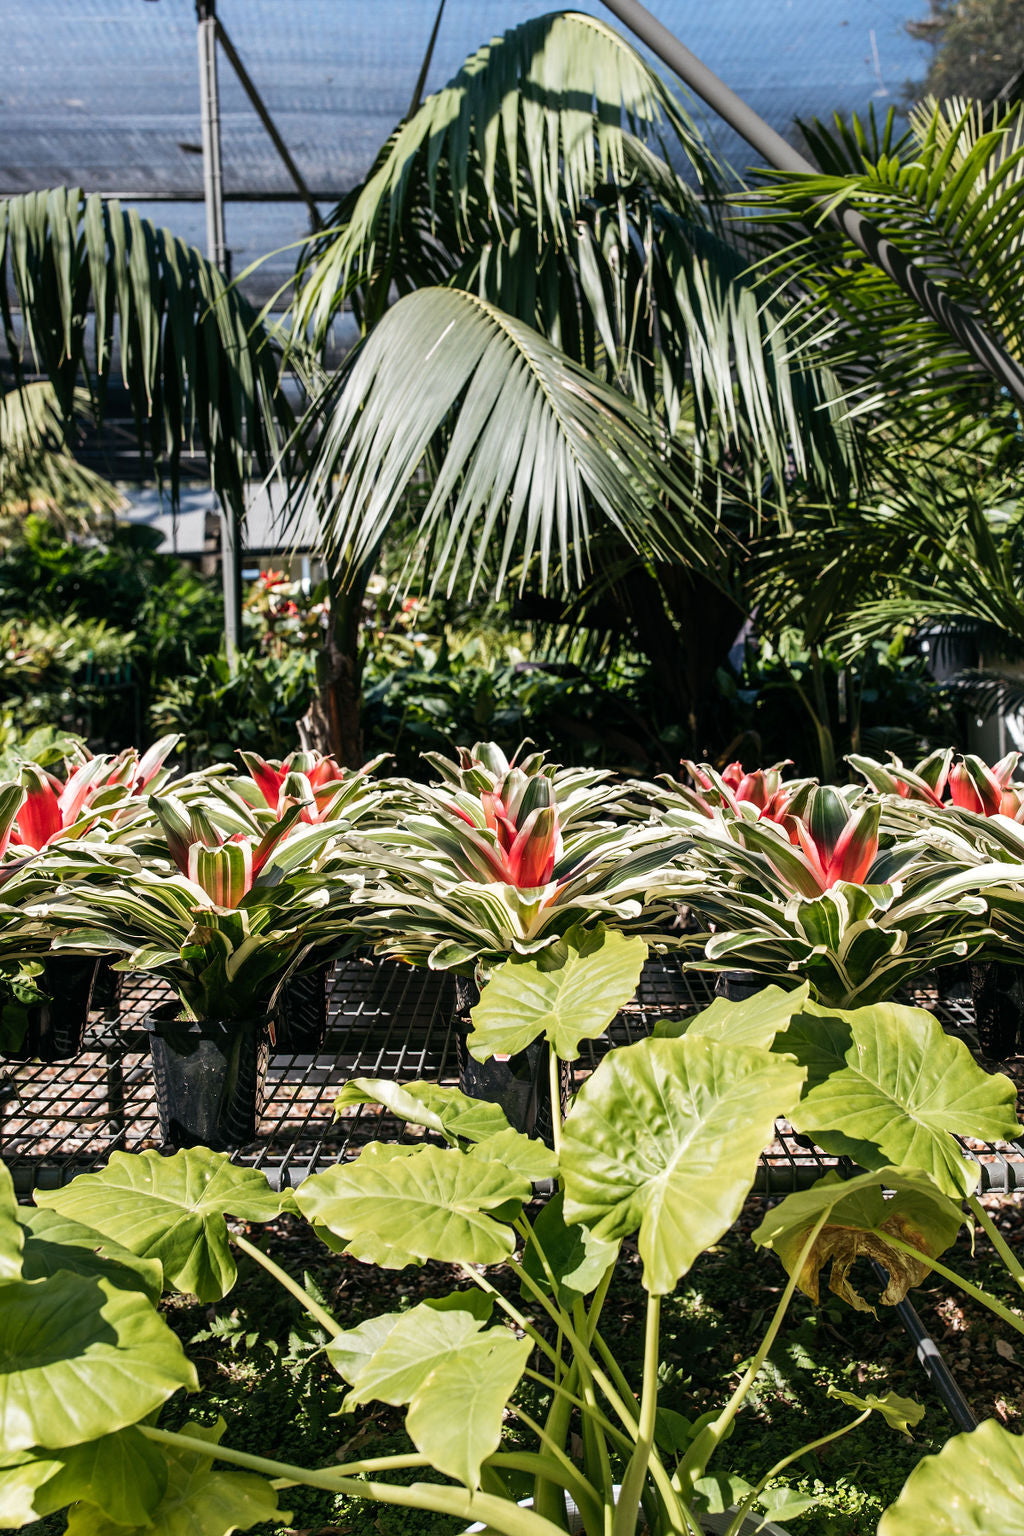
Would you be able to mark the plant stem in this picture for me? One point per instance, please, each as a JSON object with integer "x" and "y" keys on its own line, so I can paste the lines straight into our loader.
{"x": 636, "y": 1472}
{"x": 514, "y": 1313}
{"x": 554, "y": 1080}
{"x": 315, "y": 1310}
{"x": 597, "y": 1303}
{"x": 780, "y": 1466}
{"x": 965, "y": 1285}
{"x": 595, "y": 1445}
{"x": 997, "y": 1240}
{"x": 584, "y": 1492}
{"x": 501, "y": 1514}
{"x": 700, "y": 1452}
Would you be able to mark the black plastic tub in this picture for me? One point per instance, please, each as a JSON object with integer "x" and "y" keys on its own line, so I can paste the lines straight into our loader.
{"x": 55, "y": 1031}
{"x": 209, "y": 1078}
{"x": 300, "y": 1023}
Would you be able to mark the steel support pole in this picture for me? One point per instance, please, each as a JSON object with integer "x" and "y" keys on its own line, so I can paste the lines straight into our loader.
{"x": 961, "y": 325}
{"x": 216, "y": 249}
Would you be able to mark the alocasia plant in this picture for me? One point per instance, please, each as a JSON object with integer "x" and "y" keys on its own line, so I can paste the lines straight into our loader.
{"x": 661, "y": 1145}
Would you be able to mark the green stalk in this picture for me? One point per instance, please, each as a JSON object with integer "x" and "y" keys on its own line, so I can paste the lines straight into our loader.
{"x": 997, "y": 1240}
{"x": 965, "y": 1285}
{"x": 636, "y": 1472}
{"x": 588, "y": 1498}
{"x": 700, "y": 1452}
{"x": 780, "y": 1466}
{"x": 597, "y": 1303}
{"x": 595, "y": 1447}
{"x": 501, "y": 1514}
{"x": 556, "y": 1101}
{"x": 282, "y": 1276}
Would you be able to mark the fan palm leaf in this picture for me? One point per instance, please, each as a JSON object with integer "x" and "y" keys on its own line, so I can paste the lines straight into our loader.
{"x": 528, "y": 447}
{"x": 89, "y": 280}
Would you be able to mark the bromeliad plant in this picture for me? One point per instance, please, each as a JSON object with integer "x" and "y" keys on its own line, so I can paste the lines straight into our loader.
{"x": 828, "y": 895}
{"x": 660, "y": 1146}
{"x": 222, "y": 918}
{"x": 468, "y": 879}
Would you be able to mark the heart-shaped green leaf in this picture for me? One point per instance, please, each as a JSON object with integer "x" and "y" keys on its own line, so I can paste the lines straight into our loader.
{"x": 899, "y": 1412}
{"x": 432, "y": 1204}
{"x": 573, "y": 993}
{"x": 198, "y": 1501}
{"x": 123, "y": 1474}
{"x": 401, "y": 1099}
{"x": 887, "y": 1085}
{"x": 171, "y": 1209}
{"x": 417, "y": 1343}
{"x": 520, "y": 1154}
{"x": 859, "y": 1221}
{"x": 665, "y": 1138}
{"x": 574, "y": 1257}
{"x": 752, "y": 1021}
{"x": 79, "y": 1359}
{"x": 53, "y": 1242}
{"x": 973, "y": 1487}
{"x": 11, "y": 1235}
{"x": 455, "y": 1415}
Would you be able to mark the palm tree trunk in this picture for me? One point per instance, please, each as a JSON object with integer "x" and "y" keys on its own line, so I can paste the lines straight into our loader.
{"x": 333, "y": 723}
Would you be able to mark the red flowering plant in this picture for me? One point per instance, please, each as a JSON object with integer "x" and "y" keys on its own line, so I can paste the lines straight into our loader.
{"x": 503, "y": 859}
{"x": 223, "y": 915}
{"x": 325, "y": 790}
{"x": 827, "y": 894}
{"x": 944, "y": 778}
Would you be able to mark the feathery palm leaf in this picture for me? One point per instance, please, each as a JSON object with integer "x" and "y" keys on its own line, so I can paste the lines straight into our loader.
{"x": 536, "y": 446}
{"x": 949, "y": 195}
{"x": 546, "y": 114}
{"x": 192, "y": 357}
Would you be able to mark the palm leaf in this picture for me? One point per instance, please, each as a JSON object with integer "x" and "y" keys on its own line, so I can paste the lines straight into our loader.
{"x": 197, "y": 366}
{"x": 38, "y": 471}
{"x": 532, "y": 447}
{"x": 948, "y": 194}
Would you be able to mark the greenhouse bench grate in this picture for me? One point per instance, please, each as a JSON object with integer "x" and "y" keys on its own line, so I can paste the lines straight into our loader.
{"x": 385, "y": 1020}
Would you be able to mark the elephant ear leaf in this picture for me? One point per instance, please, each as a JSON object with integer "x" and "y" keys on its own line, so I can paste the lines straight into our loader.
{"x": 12, "y": 1236}
{"x": 123, "y": 1474}
{"x": 571, "y": 994}
{"x": 429, "y": 1203}
{"x": 887, "y": 1086}
{"x": 974, "y": 1485}
{"x": 80, "y": 1358}
{"x": 172, "y": 1209}
{"x": 197, "y": 1502}
{"x": 664, "y": 1140}
{"x": 854, "y": 1219}
{"x": 900, "y": 1413}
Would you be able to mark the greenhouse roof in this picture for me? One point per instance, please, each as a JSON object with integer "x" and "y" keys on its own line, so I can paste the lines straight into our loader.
{"x": 103, "y": 94}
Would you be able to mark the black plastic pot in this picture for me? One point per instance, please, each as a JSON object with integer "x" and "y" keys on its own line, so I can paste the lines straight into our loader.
{"x": 55, "y": 1031}
{"x": 106, "y": 991}
{"x": 519, "y": 1083}
{"x": 736, "y": 986}
{"x": 301, "y": 1019}
{"x": 997, "y": 992}
{"x": 209, "y": 1078}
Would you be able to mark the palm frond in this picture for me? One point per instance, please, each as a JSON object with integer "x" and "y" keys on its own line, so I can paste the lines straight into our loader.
{"x": 948, "y": 194}
{"x": 529, "y": 448}
{"x": 38, "y": 471}
{"x": 196, "y": 364}
{"x": 544, "y": 115}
